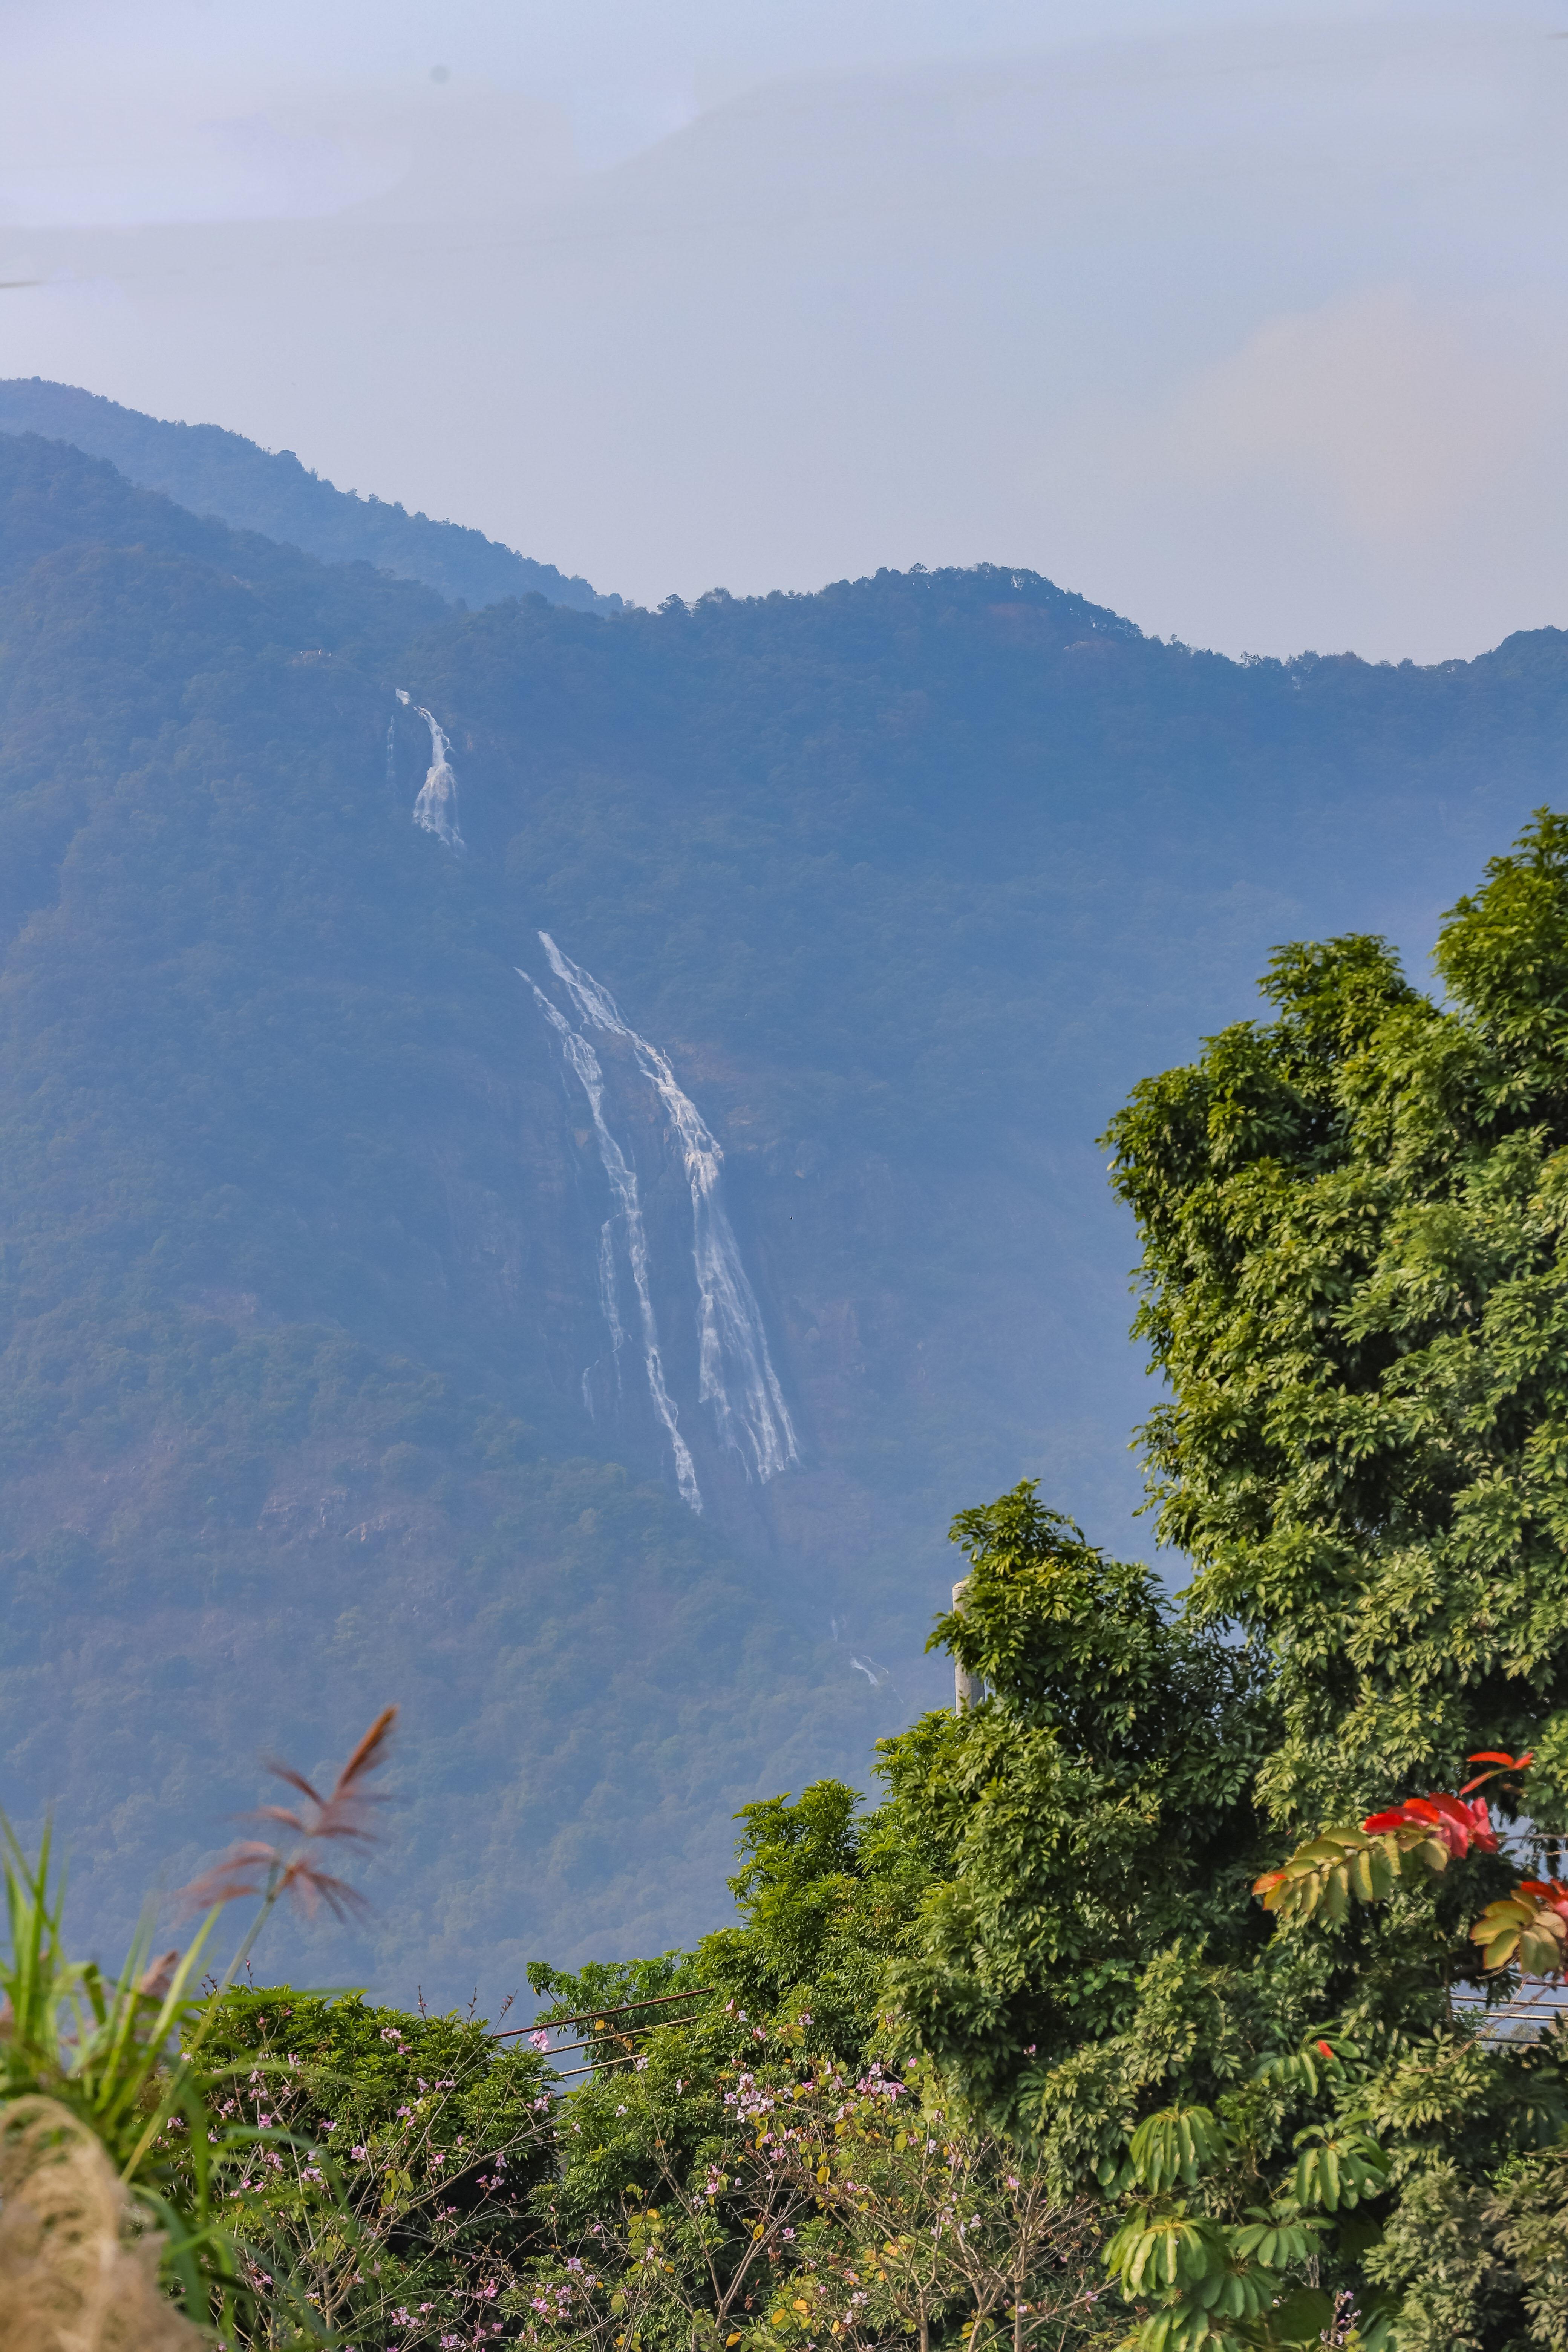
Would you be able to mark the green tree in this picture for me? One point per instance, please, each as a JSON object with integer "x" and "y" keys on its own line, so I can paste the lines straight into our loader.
{"x": 1354, "y": 1281}
{"x": 1094, "y": 1811}
{"x": 787, "y": 2202}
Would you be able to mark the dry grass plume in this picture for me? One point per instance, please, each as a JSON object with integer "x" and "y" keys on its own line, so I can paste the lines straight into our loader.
{"x": 79, "y": 2267}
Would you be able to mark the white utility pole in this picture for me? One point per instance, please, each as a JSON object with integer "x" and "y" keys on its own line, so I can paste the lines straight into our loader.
{"x": 968, "y": 1689}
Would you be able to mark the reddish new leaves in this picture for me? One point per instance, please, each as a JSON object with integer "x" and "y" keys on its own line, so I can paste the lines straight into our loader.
{"x": 1459, "y": 1825}
{"x": 1462, "y": 1827}
{"x": 1504, "y": 1762}
{"x": 1530, "y": 1926}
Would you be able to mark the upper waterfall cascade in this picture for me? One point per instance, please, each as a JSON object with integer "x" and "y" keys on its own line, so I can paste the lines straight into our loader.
{"x": 435, "y": 808}
{"x": 736, "y": 1379}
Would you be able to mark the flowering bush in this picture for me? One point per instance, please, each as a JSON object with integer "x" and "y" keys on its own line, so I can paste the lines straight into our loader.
{"x": 782, "y": 2198}
{"x": 399, "y": 2176}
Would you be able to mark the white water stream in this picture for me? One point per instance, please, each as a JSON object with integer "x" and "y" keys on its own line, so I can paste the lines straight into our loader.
{"x": 736, "y": 1376}
{"x": 436, "y": 807}
{"x": 622, "y": 1177}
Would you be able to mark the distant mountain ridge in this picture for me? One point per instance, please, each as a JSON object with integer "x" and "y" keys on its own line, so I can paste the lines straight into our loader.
{"x": 215, "y": 472}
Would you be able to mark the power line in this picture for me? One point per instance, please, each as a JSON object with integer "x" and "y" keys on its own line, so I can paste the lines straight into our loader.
{"x": 599, "y": 2016}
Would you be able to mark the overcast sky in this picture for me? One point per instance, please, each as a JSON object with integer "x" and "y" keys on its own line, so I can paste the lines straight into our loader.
{"x": 1253, "y": 325}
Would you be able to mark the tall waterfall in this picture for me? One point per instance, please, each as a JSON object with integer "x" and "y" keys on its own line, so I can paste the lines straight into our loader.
{"x": 583, "y": 1061}
{"x": 736, "y": 1379}
{"x": 736, "y": 1375}
{"x": 436, "y": 807}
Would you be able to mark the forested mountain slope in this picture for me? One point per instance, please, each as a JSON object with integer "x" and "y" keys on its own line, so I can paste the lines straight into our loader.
{"x": 218, "y": 473}
{"x": 384, "y": 1286}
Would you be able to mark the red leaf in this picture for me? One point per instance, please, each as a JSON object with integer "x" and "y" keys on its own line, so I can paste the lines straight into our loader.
{"x": 1505, "y": 1763}
{"x": 1460, "y": 1826}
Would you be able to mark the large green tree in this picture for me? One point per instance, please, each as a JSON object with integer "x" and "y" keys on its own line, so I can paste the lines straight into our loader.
{"x": 1354, "y": 1282}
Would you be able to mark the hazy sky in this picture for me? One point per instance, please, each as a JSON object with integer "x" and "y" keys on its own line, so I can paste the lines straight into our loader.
{"x": 1251, "y": 324}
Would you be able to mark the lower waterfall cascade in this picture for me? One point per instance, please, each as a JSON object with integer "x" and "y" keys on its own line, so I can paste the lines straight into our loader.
{"x": 736, "y": 1378}
{"x": 622, "y": 1178}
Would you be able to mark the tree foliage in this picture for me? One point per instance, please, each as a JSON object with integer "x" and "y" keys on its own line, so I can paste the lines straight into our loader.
{"x": 391, "y": 2167}
{"x": 1092, "y": 1812}
{"x": 1354, "y": 1281}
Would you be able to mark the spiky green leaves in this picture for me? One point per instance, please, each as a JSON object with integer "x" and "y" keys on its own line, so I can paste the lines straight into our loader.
{"x": 1155, "y": 2254}
{"x": 1336, "y": 2167}
{"x": 1204, "y": 2282}
{"x": 1177, "y": 2145}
